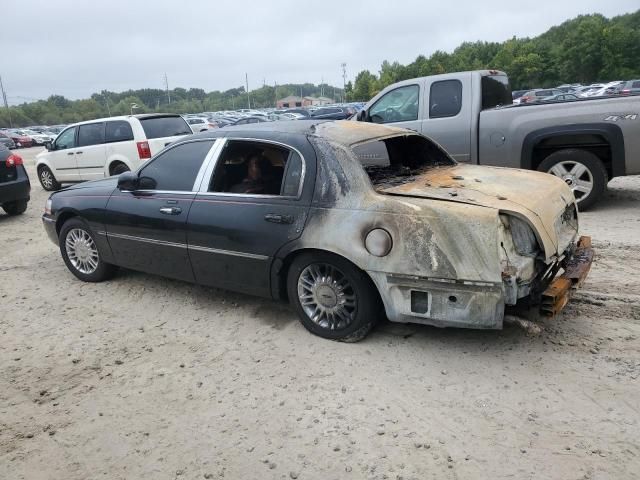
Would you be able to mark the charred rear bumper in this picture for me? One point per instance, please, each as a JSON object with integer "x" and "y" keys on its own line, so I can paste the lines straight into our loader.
{"x": 556, "y": 296}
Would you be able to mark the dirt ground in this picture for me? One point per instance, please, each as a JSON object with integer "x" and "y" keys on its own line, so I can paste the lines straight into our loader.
{"x": 146, "y": 378}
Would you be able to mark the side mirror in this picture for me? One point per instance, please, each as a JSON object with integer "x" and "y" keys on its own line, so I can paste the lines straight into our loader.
{"x": 362, "y": 115}
{"x": 127, "y": 182}
{"x": 48, "y": 145}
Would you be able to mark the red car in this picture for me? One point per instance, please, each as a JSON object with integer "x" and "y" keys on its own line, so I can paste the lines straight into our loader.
{"x": 21, "y": 141}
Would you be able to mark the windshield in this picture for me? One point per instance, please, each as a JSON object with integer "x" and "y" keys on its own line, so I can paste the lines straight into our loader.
{"x": 159, "y": 127}
{"x": 495, "y": 91}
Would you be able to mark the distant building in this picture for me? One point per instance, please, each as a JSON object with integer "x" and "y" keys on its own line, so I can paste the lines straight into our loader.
{"x": 293, "y": 101}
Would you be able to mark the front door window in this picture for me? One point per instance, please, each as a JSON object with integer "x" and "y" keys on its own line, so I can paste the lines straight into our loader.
{"x": 399, "y": 105}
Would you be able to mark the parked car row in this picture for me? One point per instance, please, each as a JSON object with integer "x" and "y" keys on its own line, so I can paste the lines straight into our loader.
{"x": 576, "y": 91}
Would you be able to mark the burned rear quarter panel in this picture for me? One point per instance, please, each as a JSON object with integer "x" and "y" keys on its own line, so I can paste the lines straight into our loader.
{"x": 430, "y": 238}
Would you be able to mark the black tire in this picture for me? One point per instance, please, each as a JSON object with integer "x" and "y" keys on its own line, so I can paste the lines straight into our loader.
{"x": 594, "y": 172}
{"x": 119, "y": 168}
{"x": 368, "y": 306}
{"x": 47, "y": 180}
{"x": 15, "y": 208}
{"x": 102, "y": 271}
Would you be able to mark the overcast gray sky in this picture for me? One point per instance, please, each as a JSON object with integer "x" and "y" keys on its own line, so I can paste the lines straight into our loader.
{"x": 75, "y": 48}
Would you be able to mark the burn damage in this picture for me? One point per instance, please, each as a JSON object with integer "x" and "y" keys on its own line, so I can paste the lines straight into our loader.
{"x": 467, "y": 240}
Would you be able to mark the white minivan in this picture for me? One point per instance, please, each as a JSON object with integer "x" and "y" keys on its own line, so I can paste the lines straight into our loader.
{"x": 107, "y": 146}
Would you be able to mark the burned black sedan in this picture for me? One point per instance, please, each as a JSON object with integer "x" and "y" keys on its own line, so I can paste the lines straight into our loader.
{"x": 349, "y": 222}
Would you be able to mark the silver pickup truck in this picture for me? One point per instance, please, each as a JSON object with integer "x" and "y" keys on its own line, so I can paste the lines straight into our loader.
{"x": 585, "y": 142}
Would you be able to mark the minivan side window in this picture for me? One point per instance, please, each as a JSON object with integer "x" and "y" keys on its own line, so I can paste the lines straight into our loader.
{"x": 398, "y": 105}
{"x": 118, "y": 131}
{"x": 175, "y": 169}
{"x": 445, "y": 98}
{"x": 66, "y": 139}
{"x": 91, "y": 134}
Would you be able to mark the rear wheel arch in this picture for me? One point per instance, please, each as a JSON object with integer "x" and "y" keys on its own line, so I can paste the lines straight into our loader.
{"x": 281, "y": 267}
{"x": 604, "y": 140}
{"x": 117, "y": 163}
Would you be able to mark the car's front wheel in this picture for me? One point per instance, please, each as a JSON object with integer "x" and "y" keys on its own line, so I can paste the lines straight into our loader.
{"x": 15, "y": 208}
{"x": 47, "y": 180}
{"x": 333, "y": 298}
{"x": 80, "y": 253}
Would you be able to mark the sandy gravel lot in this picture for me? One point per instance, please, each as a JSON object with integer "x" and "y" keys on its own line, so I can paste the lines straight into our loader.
{"x": 147, "y": 378}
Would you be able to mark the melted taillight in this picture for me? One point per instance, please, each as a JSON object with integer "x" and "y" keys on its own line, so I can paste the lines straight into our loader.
{"x": 13, "y": 160}
{"x": 144, "y": 151}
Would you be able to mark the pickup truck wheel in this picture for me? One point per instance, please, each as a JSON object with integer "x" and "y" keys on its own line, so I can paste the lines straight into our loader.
{"x": 47, "y": 180}
{"x": 581, "y": 170}
{"x": 333, "y": 298}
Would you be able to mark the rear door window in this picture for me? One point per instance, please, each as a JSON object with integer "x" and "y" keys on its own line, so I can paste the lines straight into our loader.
{"x": 445, "y": 99}
{"x": 175, "y": 169}
{"x": 118, "y": 131}
{"x": 636, "y": 84}
{"x": 91, "y": 134}
{"x": 159, "y": 127}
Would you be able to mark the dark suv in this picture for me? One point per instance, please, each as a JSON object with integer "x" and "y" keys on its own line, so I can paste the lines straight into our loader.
{"x": 14, "y": 183}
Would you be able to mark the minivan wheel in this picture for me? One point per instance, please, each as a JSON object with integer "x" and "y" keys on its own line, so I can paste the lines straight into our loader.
{"x": 119, "y": 168}
{"x": 47, "y": 180}
{"x": 80, "y": 252}
{"x": 582, "y": 171}
{"x": 333, "y": 298}
{"x": 15, "y": 208}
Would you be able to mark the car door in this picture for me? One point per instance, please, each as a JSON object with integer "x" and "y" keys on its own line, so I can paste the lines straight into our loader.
{"x": 235, "y": 232}
{"x": 400, "y": 107}
{"x": 91, "y": 151}
{"x": 146, "y": 228}
{"x": 448, "y": 117}
{"x": 62, "y": 157}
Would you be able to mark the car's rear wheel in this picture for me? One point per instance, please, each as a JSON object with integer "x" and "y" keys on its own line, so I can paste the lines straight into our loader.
{"x": 581, "y": 170}
{"x": 333, "y": 298}
{"x": 15, "y": 208}
{"x": 80, "y": 252}
{"x": 119, "y": 168}
{"x": 47, "y": 180}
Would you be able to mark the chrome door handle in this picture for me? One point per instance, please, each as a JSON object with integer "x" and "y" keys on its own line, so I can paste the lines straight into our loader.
{"x": 70, "y": 153}
{"x": 171, "y": 210}
{"x": 275, "y": 218}
{"x": 79, "y": 152}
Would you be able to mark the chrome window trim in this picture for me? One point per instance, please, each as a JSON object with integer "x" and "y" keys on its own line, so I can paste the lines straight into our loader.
{"x": 214, "y": 151}
{"x": 184, "y": 245}
{"x": 214, "y": 163}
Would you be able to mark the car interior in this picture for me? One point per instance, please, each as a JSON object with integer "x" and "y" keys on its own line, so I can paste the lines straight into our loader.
{"x": 250, "y": 168}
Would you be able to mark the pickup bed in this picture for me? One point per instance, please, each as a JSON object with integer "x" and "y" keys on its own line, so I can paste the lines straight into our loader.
{"x": 586, "y": 142}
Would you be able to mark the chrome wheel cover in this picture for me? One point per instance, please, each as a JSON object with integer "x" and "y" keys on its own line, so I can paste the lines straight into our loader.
{"x": 81, "y": 251}
{"x": 46, "y": 178}
{"x": 327, "y": 297}
{"x": 576, "y": 175}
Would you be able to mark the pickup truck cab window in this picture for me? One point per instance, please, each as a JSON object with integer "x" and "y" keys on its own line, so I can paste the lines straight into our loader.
{"x": 445, "y": 98}
{"x": 399, "y": 105}
{"x": 175, "y": 169}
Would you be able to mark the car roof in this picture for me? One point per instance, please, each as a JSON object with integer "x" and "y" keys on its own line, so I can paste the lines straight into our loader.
{"x": 345, "y": 132}
{"x": 140, "y": 116}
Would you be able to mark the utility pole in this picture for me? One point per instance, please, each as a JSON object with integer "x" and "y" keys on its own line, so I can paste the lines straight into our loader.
{"x": 106, "y": 100}
{"x": 166, "y": 87}
{"x": 246, "y": 79}
{"x": 344, "y": 81}
{"x": 275, "y": 94}
{"x": 6, "y": 104}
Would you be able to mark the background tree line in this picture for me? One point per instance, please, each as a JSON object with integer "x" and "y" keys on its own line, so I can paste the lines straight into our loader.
{"x": 586, "y": 49}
